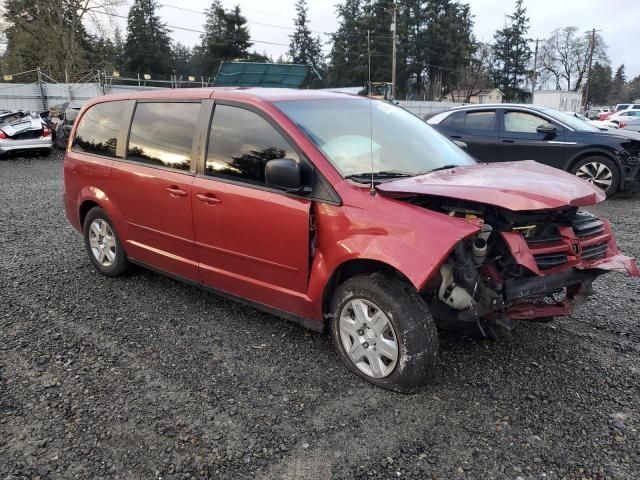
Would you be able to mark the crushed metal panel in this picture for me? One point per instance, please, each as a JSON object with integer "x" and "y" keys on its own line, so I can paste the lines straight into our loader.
{"x": 271, "y": 75}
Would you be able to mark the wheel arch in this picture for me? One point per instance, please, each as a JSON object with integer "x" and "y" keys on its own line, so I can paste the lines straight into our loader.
{"x": 90, "y": 197}
{"x": 353, "y": 267}
{"x": 601, "y": 152}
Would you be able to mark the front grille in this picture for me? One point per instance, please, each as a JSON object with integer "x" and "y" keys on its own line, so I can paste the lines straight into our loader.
{"x": 586, "y": 224}
{"x": 594, "y": 252}
{"x": 550, "y": 261}
{"x": 554, "y": 246}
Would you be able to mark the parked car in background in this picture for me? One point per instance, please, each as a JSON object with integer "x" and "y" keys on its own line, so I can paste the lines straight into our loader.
{"x": 341, "y": 212}
{"x": 620, "y": 107}
{"x": 63, "y": 127}
{"x": 505, "y": 132}
{"x": 623, "y": 116}
{"x": 595, "y": 112}
{"x": 632, "y": 125}
{"x": 22, "y": 131}
{"x": 601, "y": 124}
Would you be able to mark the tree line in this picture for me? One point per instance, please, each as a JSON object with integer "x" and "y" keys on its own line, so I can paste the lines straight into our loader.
{"x": 437, "y": 52}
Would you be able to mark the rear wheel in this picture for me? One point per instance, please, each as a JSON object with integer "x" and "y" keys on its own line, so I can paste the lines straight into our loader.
{"x": 103, "y": 245}
{"x": 600, "y": 171}
{"x": 383, "y": 332}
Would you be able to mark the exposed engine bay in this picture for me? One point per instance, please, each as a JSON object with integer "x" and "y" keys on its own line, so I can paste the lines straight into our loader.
{"x": 519, "y": 265}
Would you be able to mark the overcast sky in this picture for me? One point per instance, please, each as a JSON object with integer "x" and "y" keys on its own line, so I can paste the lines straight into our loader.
{"x": 617, "y": 20}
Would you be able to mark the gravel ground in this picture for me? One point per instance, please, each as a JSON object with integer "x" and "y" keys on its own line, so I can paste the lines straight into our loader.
{"x": 145, "y": 377}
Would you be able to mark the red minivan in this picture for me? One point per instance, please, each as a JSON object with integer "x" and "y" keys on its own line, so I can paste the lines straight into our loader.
{"x": 340, "y": 212}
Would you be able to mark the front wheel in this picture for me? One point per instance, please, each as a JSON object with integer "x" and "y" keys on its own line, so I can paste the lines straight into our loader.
{"x": 383, "y": 332}
{"x": 600, "y": 171}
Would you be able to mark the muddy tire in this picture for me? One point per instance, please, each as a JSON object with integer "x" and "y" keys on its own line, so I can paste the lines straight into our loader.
{"x": 383, "y": 332}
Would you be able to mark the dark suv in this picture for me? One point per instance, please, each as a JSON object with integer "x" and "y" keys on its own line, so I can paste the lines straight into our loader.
{"x": 504, "y": 132}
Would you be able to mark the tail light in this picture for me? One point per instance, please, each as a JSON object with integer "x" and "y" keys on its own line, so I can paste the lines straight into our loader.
{"x": 46, "y": 132}
{"x": 3, "y": 135}
{"x": 622, "y": 125}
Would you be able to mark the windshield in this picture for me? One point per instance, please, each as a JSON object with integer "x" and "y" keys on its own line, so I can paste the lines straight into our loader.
{"x": 571, "y": 120}
{"x": 396, "y": 141}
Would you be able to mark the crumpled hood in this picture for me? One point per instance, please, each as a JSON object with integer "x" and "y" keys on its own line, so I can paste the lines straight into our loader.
{"x": 517, "y": 186}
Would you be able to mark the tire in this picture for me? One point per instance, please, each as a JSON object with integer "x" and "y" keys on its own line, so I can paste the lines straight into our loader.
{"x": 405, "y": 321}
{"x": 599, "y": 170}
{"x": 103, "y": 244}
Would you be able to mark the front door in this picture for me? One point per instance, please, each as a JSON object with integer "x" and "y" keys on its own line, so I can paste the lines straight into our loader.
{"x": 520, "y": 139}
{"x": 152, "y": 187}
{"x": 252, "y": 240}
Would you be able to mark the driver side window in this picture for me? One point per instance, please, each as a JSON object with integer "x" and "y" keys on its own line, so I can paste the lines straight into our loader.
{"x": 522, "y": 122}
{"x": 241, "y": 143}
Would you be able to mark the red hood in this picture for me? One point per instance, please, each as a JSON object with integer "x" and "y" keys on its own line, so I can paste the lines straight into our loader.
{"x": 517, "y": 186}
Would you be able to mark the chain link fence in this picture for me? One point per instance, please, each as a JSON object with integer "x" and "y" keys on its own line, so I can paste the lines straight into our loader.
{"x": 38, "y": 90}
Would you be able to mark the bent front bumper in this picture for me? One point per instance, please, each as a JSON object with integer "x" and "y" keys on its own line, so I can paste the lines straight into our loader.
{"x": 574, "y": 275}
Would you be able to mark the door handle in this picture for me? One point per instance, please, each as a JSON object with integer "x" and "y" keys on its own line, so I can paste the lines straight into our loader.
{"x": 506, "y": 140}
{"x": 208, "y": 198}
{"x": 456, "y": 136}
{"x": 176, "y": 191}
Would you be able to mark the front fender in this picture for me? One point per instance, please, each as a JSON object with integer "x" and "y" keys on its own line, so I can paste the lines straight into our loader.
{"x": 413, "y": 240}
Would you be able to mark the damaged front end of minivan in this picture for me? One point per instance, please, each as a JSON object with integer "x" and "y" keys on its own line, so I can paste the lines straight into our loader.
{"x": 521, "y": 265}
{"x": 535, "y": 253}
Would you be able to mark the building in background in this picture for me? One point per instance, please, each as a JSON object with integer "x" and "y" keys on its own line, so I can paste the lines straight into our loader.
{"x": 563, "y": 100}
{"x": 487, "y": 95}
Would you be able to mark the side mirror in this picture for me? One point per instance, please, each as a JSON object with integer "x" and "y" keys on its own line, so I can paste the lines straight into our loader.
{"x": 285, "y": 174}
{"x": 547, "y": 129}
{"x": 461, "y": 144}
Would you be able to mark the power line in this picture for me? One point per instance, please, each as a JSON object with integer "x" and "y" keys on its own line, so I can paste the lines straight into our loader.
{"x": 186, "y": 29}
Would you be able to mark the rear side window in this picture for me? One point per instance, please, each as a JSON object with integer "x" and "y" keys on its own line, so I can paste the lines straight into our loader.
{"x": 162, "y": 134}
{"x": 99, "y": 128}
{"x": 241, "y": 143}
{"x": 481, "y": 120}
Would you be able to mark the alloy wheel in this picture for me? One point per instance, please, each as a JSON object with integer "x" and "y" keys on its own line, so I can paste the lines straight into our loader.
{"x": 102, "y": 242}
{"x": 597, "y": 173}
{"x": 368, "y": 338}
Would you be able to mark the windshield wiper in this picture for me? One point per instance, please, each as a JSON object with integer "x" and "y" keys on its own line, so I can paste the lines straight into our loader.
{"x": 444, "y": 167}
{"x": 381, "y": 175}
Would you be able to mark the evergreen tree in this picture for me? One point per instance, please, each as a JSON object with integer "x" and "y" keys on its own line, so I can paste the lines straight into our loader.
{"x": 181, "y": 60}
{"x": 237, "y": 32}
{"x": 511, "y": 55}
{"x": 600, "y": 84}
{"x": 148, "y": 47}
{"x": 225, "y": 38}
{"x": 303, "y": 48}
{"x": 435, "y": 45}
{"x": 617, "y": 86}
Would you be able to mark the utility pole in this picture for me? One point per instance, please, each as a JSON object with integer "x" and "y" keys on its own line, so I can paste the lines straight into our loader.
{"x": 393, "y": 39}
{"x": 592, "y": 48}
{"x": 535, "y": 70}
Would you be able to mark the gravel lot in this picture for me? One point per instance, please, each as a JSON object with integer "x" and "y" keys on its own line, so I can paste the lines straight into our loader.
{"x": 145, "y": 377}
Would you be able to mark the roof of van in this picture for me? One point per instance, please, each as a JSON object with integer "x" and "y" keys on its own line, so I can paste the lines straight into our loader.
{"x": 228, "y": 93}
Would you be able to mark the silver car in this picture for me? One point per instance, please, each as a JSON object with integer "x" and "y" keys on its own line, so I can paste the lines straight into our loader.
{"x": 23, "y": 131}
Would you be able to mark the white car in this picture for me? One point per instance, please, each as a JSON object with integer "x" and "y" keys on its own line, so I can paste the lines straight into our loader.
{"x": 624, "y": 116}
{"x": 602, "y": 124}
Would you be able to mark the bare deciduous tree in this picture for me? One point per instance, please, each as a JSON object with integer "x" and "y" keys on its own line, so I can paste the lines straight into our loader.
{"x": 564, "y": 58}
